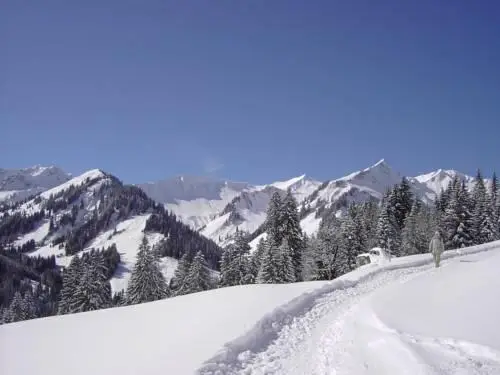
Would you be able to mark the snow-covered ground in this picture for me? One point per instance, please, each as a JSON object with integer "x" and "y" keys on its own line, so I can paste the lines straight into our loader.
{"x": 128, "y": 237}
{"x": 403, "y": 317}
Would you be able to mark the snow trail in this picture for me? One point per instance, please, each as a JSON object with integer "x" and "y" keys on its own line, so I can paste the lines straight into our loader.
{"x": 302, "y": 343}
{"x": 339, "y": 333}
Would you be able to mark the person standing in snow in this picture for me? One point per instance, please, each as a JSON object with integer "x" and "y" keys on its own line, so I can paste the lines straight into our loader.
{"x": 436, "y": 247}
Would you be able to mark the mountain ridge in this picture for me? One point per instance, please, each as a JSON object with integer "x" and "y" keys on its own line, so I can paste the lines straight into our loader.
{"x": 216, "y": 207}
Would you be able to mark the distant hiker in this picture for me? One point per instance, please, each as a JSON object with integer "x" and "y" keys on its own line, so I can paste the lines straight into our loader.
{"x": 436, "y": 247}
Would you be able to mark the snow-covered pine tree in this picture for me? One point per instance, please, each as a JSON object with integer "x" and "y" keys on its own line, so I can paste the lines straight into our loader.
{"x": 495, "y": 202}
{"x": 269, "y": 272}
{"x": 368, "y": 214}
{"x": 479, "y": 202}
{"x": 147, "y": 282}
{"x": 70, "y": 280}
{"x": 330, "y": 258}
{"x": 177, "y": 283}
{"x": 488, "y": 226}
{"x": 255, "y": 259}
{"x": 227, "y": 272}
{"x": 243, "y": 258}
{"x": 286, "y": 269}
{"x": 292, "y": 232}
{"x": 352, "y": 238}
{"x": 409, "y": 236}
{"x": 387, "y": 231}
{"x": 494, "y": 189}
{"x": 274, "y": 220}
{"x": 401, "y": 202}
{"x": 29, "y": 305}
{"x": 198, "y": 278}
{"x": 235, "y": 265}
{"x": 93, "y": 291}
{"x": 310, "y": 255}
{"x": 457, "y": 219}
{"x": 15, "y": 311}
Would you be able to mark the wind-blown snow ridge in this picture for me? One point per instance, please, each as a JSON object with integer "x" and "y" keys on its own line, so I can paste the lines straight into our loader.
{"x": 79, "y": 180}
{"x": 229, "y": 359}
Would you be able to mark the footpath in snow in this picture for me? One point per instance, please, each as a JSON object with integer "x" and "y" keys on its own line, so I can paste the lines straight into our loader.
{"x": 343, "y": 328}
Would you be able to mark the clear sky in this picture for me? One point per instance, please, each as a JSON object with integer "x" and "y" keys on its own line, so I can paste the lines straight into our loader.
{"x": 250, "y": 90}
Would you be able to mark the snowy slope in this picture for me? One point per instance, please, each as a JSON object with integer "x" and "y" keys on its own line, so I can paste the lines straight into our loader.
{"x": 17, "y": 184}
{"x": 205, "y": 203}
{"x": 117, "y": 213}
{"x": 347, "y": 326}
{"x": 247, "y": 211}
{"x": 195, "y": 200}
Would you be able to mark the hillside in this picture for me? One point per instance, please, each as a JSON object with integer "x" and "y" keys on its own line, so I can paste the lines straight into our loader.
{"x": 94, "y": 211}
{"x": 353, "y": 325}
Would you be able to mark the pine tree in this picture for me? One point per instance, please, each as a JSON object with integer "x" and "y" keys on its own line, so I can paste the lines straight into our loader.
{"x": 479, "y": 202}
{"x": 29, "y": 305}
{"x": 457, "y": 220}
{"x": 71, "y": 279}
{"x": 15, "y": 311}
{"x": 310, "y": 256}
{"x": 286, "y": 269}
{"x": 269, "y": 272}
{"x": 368, "y": 214}
{"x": 256, "y": 259}
{"x": 274, "y": 220}
{"x": 147, "y": 282}
{"x": 198, "y": 278}
{"x": 488, "y": 226}
{"x": 401, "y": 202}
{"x": 235, "y": 265}
{"x": 292, "y": 232}
{"x": 409, "y": 245}
{"x": 178, "y": 281}
{"x": 494, "y": 189}
{"x": 330, "y": 259}
{"x": 352, "y": 239}
{"x": 93, "y": 291}
{"x": 387, "y": 232}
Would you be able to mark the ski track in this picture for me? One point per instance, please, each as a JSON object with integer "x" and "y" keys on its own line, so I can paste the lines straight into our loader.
{"x": 322, "y": 341}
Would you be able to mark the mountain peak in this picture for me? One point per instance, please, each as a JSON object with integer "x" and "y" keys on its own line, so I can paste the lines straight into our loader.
{"x": 380, "y": 162}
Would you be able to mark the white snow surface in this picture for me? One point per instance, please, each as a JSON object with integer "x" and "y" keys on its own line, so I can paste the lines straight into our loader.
{"x": 38, "y": 234}
{"x": 77, "y": 181}
{"x": 405, "y": 317}
{"x": 17, "y": 184}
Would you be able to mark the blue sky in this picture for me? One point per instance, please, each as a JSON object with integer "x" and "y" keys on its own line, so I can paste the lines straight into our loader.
{"x": 250, "y": 90}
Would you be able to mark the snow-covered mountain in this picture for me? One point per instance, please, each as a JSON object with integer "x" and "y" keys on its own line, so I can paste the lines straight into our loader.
{"x": 217, "y": 207}
{"x": 94, "y": 211}
{"x": 17, "y": 184}
{"x": 195, "y": 200}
